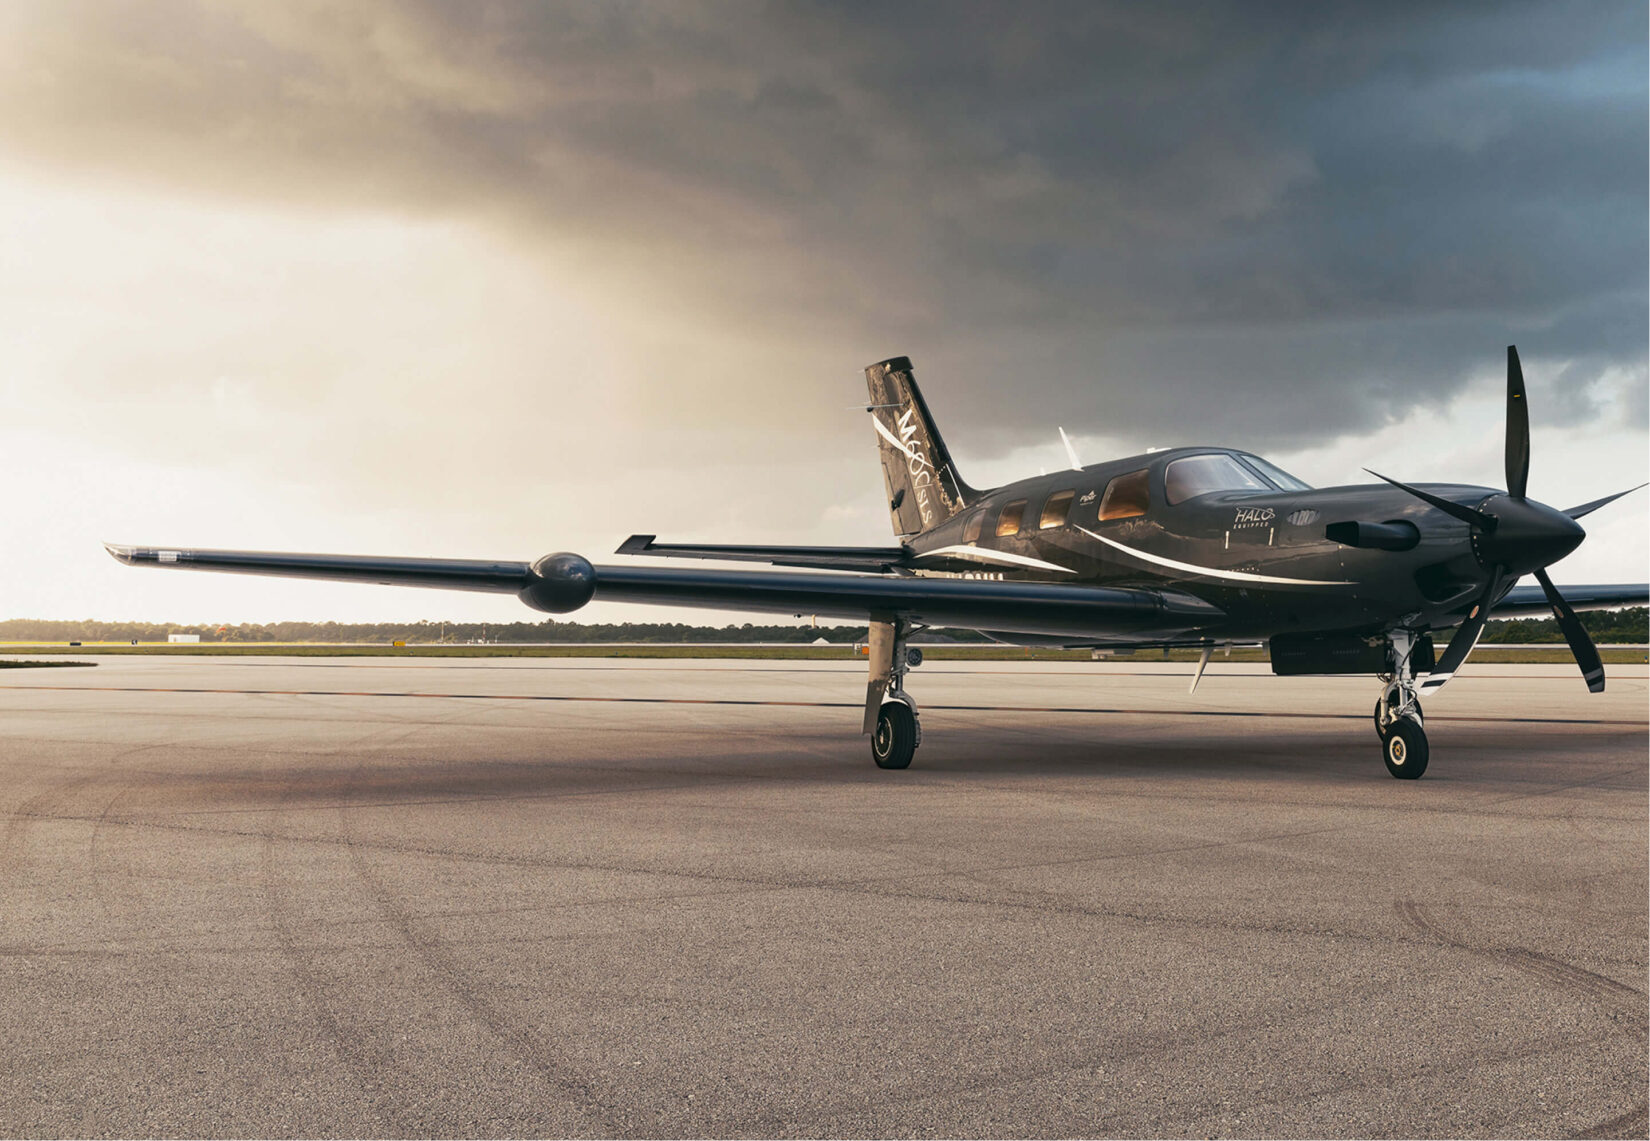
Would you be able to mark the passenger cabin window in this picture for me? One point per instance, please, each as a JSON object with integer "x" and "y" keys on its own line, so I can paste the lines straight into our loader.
{"x": 1008, "y": 523}
{"x": 971, "y": 533}
{"x": 1055, "y": 510}
{"x": 1200, "y": 475}
{"x": 1127, "y": 496}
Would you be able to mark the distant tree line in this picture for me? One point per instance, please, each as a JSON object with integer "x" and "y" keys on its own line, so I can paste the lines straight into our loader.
{"x": 1630, "y": 626}
{"x": 1623, "y": 626}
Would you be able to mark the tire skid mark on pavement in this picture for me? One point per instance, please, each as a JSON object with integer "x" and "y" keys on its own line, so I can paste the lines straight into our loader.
{"x": 439, "y": 958}
{"x": 701, "y": 876}
{"x": 1633, "y": 1123}
{"x": 1465, "y": 1066}
{"x": 748, "y": 884}
{"x": 114, "y": 903}
{"x": 49, "y": 803}
{"x": 907, "y": 887}
{"x": 52, "y": 802}
{"x": 872, "y": 885}
{"x": 853, "y": 1118}
{"x": 117, "y": 906}
{"x": 735, "y": 701}
{"x": 1117, "y": 1122}
{"x": 1567, "y": 786}
{"x": 366, "y": 1059}
{"x": 1624, "y": 1004}
{"x": 825, "y": 1119}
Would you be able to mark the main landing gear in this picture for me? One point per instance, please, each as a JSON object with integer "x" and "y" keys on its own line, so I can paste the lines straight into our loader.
{"x": 1398, "y": 719}
{"x": 890, "y": 712}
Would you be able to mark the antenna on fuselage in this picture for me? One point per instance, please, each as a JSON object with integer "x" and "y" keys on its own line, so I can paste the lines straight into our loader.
{"x": 1203, "y": 663}
{"x": 1070, "y": 451}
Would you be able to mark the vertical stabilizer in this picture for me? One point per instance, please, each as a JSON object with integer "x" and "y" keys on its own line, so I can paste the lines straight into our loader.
{"x": 924, "y": 489}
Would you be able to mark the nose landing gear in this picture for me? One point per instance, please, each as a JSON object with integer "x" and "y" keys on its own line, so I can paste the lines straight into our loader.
{"x": 1398, "y": 719}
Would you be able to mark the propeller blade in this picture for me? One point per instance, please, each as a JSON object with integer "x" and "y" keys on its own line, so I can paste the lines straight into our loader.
{"x": 1589, "y": 508}
{"x": 1465, "y": 637}
{"x": 1581, "y": 644}
{"x": 1518, "y": 427}
{"x": 1466, "y": 514}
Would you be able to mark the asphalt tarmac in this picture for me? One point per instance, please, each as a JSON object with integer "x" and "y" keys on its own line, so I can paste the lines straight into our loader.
{"x": 263, "y": 897}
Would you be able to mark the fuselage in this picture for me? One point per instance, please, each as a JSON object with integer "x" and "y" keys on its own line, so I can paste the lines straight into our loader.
{"x": 1259, "y": 552}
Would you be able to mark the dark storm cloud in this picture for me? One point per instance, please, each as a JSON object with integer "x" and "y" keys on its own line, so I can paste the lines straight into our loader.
{"x": 1262, "y": 222}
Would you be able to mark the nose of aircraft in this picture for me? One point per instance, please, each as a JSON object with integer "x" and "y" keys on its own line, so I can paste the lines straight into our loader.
{"x": 1527, "y": 536}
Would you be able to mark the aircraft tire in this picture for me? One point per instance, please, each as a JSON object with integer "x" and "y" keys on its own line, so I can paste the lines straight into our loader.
{"x": 895, "y": 741}
{"x": 1404, "y": 748}
{"x": 1380, "y": 730}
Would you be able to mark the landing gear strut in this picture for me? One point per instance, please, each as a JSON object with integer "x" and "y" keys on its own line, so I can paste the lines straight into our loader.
{"x": 890, "y": 712}
{"x": 1398, "y": 718}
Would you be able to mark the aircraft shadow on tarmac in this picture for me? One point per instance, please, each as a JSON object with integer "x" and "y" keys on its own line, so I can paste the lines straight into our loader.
{"x": 1314, "y": 756}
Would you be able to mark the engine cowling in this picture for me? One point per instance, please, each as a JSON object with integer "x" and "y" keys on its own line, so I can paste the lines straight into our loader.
{"x": 561, "y": 583}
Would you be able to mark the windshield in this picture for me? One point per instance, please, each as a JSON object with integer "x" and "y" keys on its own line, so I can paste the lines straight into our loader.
{"x": 1199, "y": 475}
{"x": 1277, "y": 475}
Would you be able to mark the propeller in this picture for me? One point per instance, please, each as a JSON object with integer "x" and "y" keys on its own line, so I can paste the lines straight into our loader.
{"x": 1513, "y": 535}
{"x": 1589, "y": 508}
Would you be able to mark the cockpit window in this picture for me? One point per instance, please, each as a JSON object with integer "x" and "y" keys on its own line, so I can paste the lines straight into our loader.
{"x": 1199, "y": 475}
{"x": 1277, "y": 475}
{"x": 971, "y": 533}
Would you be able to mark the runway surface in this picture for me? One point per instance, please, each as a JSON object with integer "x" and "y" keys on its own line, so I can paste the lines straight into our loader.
{"x": 574, "y": 897}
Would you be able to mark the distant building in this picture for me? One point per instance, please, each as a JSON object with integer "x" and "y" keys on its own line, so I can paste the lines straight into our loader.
{"x": 183, "y": 637}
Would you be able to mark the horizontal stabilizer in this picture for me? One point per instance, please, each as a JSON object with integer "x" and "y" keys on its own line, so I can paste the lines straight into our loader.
{"x": 873, "y": 560}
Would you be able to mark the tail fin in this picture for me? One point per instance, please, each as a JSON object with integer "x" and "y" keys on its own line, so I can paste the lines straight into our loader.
{"x": 924, "y": 489}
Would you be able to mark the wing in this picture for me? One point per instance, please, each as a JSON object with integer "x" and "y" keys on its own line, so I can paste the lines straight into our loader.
{"x": 870, "y": 559}
{"x": 560, "y": 583}
{"x": 1531, "y": 601}
{"x": 444, "y": 574}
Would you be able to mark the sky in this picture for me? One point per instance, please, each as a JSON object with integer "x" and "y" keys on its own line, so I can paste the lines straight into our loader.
{"x": 494, "y": 280}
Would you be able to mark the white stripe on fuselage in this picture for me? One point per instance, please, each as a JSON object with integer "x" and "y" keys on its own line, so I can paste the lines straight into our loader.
{"x": 1193, "y": 568}
{"x": 986, "y": 555}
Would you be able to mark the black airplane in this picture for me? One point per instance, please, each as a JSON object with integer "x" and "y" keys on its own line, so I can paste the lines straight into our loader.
{"x": 1184, "y": 547}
